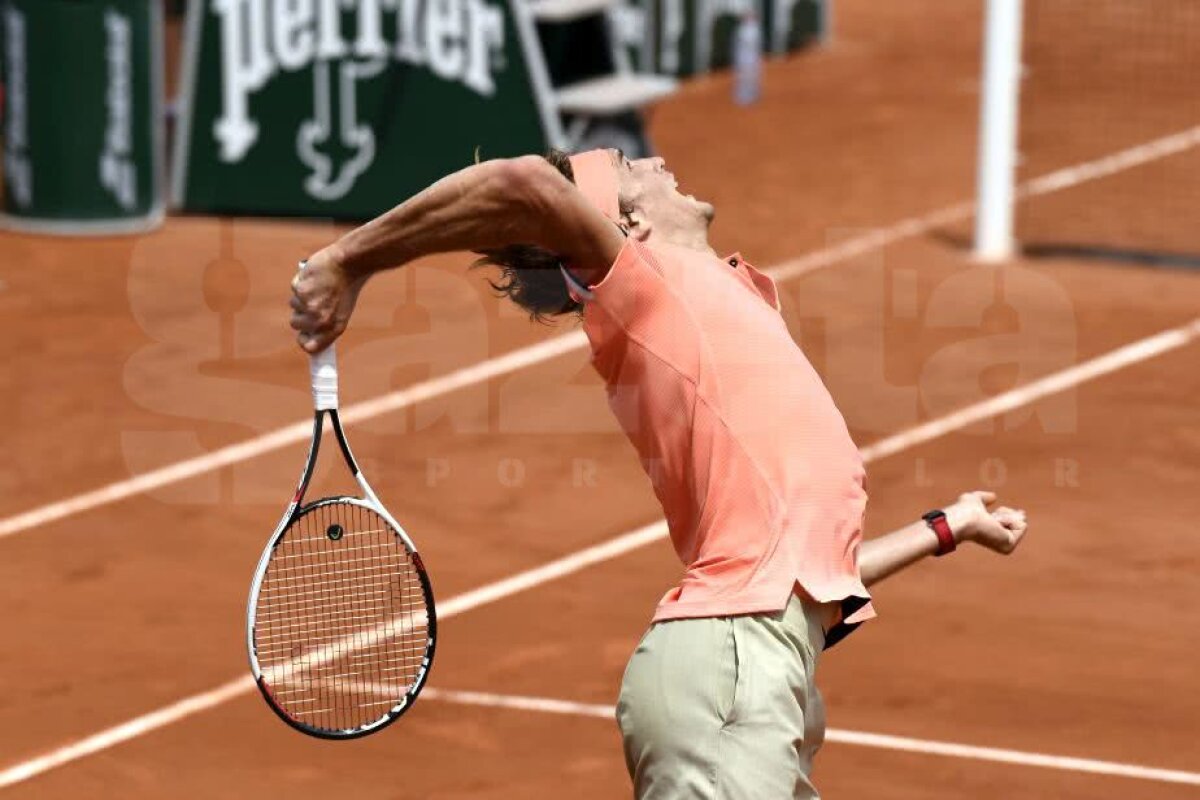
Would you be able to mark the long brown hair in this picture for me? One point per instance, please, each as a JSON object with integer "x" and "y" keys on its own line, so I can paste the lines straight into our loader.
{"x": 530, "y": 275}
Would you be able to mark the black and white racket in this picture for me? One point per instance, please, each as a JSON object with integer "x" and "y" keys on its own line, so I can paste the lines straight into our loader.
{"x": 340, "y": 625}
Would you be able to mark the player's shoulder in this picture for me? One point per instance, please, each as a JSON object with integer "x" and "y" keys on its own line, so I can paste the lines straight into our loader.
{"x": 651, "y": 268}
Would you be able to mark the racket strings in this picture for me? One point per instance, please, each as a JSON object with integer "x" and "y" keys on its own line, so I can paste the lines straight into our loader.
{"x": 341, "y": 624}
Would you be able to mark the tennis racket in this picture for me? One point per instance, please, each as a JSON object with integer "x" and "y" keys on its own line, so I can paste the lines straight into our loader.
{"x": 340, "y": 625}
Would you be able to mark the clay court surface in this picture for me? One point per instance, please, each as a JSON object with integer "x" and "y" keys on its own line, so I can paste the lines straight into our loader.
{"x": 125, "y": 356}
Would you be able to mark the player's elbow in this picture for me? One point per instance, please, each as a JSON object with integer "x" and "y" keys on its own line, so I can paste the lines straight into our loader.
{"x": 533, "y": 184}
{"x": 525, "y": 195}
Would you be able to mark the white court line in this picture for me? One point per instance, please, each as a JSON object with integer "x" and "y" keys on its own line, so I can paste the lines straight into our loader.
{"x": 1022, "y": 395}
{"x": 544, "y": 705}
{"x": 125, "y": 731}
{"x": 1108, "y": 165}
{"x": 882, "y": 741}
{"x": 293, "y": 434}
{"x": 575, "y": 340}
{"x": 605, "y": 551}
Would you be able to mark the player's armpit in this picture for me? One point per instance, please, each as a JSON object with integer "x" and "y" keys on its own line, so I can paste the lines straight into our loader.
{"x": 565, "y": 221}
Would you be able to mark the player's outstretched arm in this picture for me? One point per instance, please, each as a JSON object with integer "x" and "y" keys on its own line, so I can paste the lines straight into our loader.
{"x": 483, "y": 207}
{"x": 974, "y": 517}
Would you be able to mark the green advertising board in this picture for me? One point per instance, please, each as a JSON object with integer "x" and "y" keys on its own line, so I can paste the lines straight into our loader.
{"x": 83, "y": 119}
{"x": 342, "y": 109}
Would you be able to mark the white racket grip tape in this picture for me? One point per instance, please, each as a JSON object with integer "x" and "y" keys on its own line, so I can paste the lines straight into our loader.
{"x": 323, "y": 368}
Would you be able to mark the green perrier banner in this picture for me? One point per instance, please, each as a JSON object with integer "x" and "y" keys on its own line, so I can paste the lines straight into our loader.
{"x": 82, "y": 122}
{"x": 342, "y": 109}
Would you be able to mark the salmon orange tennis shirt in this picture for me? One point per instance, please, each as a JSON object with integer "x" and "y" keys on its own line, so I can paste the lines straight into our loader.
{"x": 762, "y": 487}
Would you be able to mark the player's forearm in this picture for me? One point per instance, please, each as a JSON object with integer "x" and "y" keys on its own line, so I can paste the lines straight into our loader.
{"x": 484, "y": 206}
{"x": 886, "y": 555}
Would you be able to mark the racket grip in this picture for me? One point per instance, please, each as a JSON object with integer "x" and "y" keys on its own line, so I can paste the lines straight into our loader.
{"x": 323, "y": 368}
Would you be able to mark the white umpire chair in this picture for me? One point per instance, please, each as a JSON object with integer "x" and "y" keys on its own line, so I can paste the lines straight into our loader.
{"x": 588, "y": 113}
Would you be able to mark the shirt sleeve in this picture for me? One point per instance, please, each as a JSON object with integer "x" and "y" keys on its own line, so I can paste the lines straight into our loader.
{"x": 634, "y": 285}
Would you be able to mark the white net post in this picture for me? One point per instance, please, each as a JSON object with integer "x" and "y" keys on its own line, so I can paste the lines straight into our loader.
{"x": 998, "y": 130}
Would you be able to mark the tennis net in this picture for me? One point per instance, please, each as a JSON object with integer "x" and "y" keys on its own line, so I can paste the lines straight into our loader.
{"x": 1102, "y": 77}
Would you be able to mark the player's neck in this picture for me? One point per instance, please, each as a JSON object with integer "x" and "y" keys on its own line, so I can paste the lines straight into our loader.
{"x": 690, "y": 239}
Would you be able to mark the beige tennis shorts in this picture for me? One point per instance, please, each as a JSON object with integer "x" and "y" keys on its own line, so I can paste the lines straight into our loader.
{"x": 725, "y": 708}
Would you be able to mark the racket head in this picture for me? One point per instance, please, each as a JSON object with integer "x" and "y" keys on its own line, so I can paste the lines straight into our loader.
{"x": 341, "y": 626}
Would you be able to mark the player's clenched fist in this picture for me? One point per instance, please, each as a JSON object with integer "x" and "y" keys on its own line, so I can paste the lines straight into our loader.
{"x": 976, "y": 518}
{"x": 323, "y": 298}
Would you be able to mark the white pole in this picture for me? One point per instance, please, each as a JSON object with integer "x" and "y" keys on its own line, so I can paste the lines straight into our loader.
{"x": 998, "y": 130}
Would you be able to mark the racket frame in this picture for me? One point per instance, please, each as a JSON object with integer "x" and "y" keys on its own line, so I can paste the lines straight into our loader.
{"x": 295, "y": 509}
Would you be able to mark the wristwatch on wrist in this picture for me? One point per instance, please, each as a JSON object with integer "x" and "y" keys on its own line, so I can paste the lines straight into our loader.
{"x": 936, "y": 520}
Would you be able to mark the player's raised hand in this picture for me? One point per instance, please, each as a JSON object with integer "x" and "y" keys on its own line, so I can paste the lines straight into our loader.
{"x": 975, "y": 517}
{"x": 323, "y": 298}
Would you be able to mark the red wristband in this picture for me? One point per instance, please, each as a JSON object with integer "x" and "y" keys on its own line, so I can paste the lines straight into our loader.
{"x": 936, "y": 520}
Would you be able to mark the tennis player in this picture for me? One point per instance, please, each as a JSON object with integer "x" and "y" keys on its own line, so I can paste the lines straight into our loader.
{"x": 759, "y": 480}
